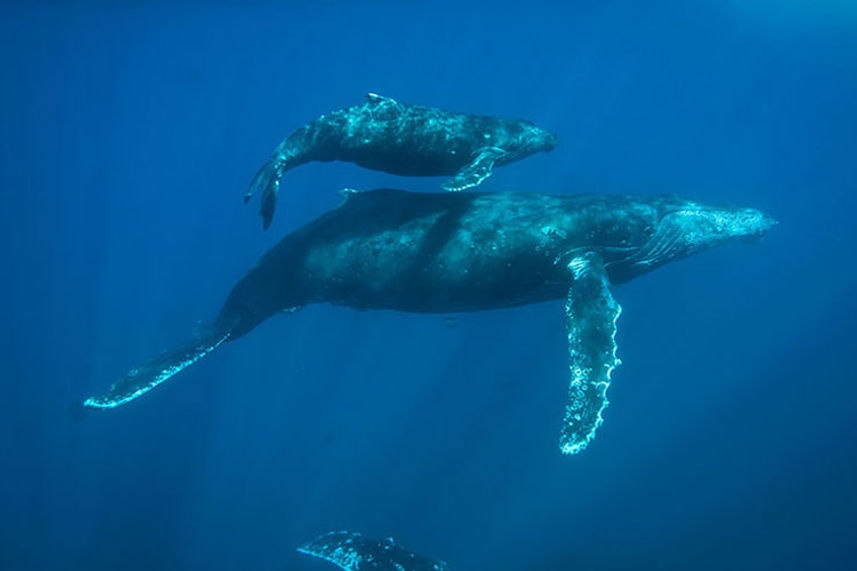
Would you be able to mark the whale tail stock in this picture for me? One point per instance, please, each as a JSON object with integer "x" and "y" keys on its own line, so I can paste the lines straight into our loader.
{"x": 140, "y": 380}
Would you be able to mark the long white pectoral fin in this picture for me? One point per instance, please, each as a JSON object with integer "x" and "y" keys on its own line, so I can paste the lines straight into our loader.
{"x": 591, "y": 314}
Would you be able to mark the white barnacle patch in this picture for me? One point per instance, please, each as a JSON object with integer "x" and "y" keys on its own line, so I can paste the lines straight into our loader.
{"x": 549, "y": 237}
{"x": 553, "y": 232}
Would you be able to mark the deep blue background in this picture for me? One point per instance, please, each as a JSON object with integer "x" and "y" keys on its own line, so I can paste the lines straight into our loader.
{"x": 127, "y": 139}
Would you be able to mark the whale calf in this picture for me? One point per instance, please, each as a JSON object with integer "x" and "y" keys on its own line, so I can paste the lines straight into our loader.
{"x": 412, "y": 140}
{"x": 460, "y": 252}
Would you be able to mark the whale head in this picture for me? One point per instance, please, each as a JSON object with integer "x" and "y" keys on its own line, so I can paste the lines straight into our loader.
{"x": 683, "y": 227}
{"x": 532, "y": 139}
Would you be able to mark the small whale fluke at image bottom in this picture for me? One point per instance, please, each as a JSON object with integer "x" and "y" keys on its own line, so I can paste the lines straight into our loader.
{"x": 410, "y": 140}
{"x": 448, "y": 253}
{"x": 353, "y": 552}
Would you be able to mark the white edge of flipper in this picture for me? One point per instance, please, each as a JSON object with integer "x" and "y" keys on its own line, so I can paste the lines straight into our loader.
{"x": 591, "y": 316}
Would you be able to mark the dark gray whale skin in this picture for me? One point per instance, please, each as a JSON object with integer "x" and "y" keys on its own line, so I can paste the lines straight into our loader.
{"x": 448, "y": 253}
{"x": 411, "y": 140}
{"x": 460, "y": 252}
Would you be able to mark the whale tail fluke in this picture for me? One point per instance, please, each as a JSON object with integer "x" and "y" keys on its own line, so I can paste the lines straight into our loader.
{"x": 140, "y": 380}
{"x": 267, "y": 180}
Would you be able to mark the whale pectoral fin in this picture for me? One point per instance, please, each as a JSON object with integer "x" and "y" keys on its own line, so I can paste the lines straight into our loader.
{"x": 354, "y": 552}
{"x": 267, "y": 180}
{"x": 473, "y": 173}
{"x": 142, "y": 379}
{"x": 591, "y": 315}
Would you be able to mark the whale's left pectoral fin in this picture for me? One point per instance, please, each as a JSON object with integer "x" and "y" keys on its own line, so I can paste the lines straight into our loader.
{"x": 591, "y": 314}
{"x": 473, "y": 173}
{"x": 354, "y": 552}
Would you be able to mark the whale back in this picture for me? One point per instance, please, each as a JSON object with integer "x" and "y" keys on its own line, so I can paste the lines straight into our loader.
{"x": 369, "y": 212}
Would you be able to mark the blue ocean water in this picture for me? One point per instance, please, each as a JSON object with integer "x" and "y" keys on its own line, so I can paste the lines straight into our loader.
{"x": 128, "y": 135}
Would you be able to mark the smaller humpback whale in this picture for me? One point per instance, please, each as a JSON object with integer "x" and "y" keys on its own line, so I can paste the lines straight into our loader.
{"x": 354, "y": 552}
{"x": 458, "y": 252}
{"x": 411, "y": 140}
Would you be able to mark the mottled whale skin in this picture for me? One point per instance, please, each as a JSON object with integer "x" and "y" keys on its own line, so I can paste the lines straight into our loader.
{"x": 460, "y": 252}
{"x": 411, "y": 140}
{"x": 353, "y": 552}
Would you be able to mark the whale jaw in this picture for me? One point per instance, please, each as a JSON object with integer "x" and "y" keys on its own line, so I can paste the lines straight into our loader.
{"x": 694, "y": 228}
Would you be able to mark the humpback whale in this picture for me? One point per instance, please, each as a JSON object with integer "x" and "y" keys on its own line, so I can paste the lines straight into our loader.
{"x": 460, "y": 252}
{"x": 412, "y": 140}
{"x": 354, "y": 552}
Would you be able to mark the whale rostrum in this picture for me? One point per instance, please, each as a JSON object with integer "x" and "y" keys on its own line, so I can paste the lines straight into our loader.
{"x": 460, "y": 252}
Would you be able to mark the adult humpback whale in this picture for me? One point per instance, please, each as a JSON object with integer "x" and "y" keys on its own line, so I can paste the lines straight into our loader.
{"x": 457, "y": 252}
{"x": 412, "y": 140}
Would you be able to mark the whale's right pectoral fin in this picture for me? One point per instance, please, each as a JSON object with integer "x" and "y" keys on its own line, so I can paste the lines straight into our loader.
{"x": 473, "y": 173}
{"x": 591, "y": 314}
{"x": 142, "y": 379}
{"x": 353, "y": 552}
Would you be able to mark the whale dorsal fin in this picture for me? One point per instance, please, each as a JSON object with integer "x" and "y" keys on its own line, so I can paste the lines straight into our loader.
{"x": 591, "y": 314}
{"x": 473, "y": 173}
{"x": 375, "y": 99}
